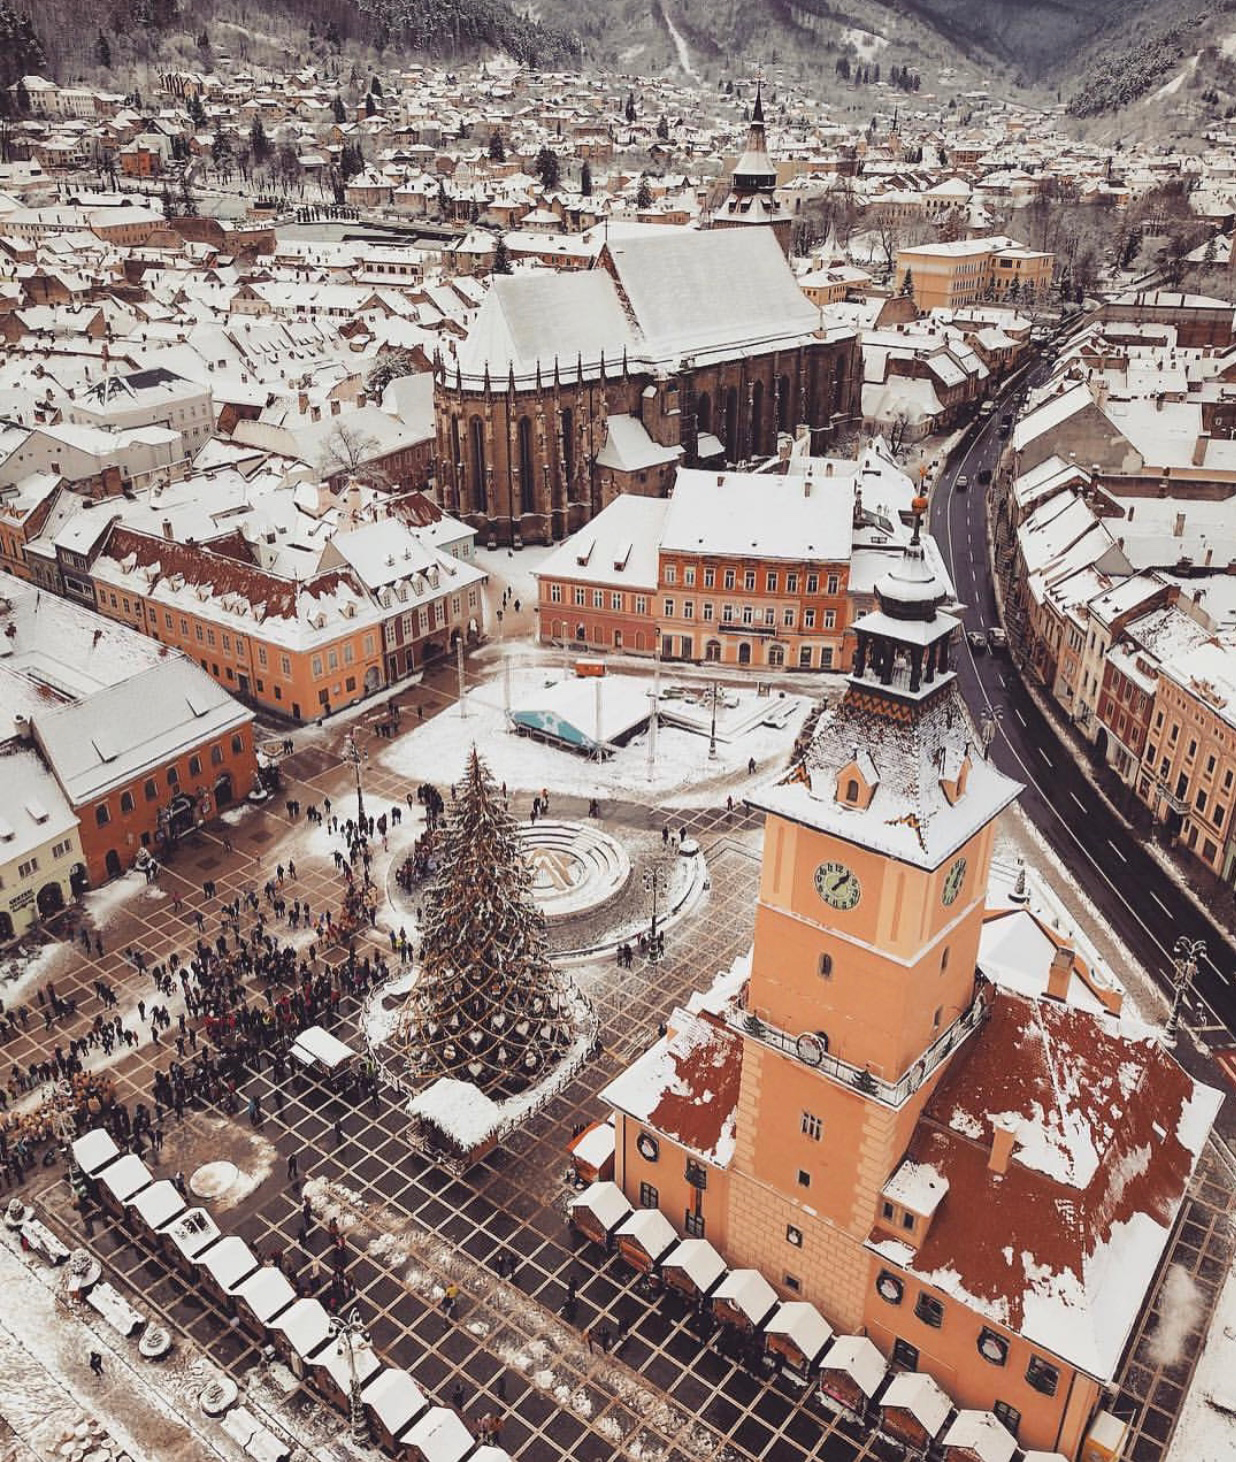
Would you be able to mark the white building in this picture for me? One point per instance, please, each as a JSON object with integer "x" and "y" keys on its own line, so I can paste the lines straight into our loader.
{"x": 154, "y": 397}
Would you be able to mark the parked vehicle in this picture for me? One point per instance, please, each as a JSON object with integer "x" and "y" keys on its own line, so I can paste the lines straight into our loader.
{"x": 978, "y": 641}
{"x": 997, "y": 639}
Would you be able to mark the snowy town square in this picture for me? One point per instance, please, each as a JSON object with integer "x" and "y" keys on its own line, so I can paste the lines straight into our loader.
{"x": 617, "y": 731}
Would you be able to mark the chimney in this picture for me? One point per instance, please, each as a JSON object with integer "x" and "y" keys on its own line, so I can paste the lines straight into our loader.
{"x": 302, "y": 402}
{"x": 334, "y": 408}
{"x": 1060, "y": 973}
{"x": 1199, "y": 448}
{"x": 167, "y": 528}
{"x": 1179, "y": 527}
{"x": 361, "y": 399}
{"x": 1003, "y": 1140}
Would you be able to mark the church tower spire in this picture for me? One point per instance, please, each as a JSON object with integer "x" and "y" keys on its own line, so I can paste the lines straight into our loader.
{"x": 752, "y": 198}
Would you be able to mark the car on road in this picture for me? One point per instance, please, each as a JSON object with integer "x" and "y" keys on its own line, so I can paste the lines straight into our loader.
{"x": 978, "y": 641}
{"x": 963, "y": 482}
{"x": 997, "y": 639}
{"x": 984, "y": 477}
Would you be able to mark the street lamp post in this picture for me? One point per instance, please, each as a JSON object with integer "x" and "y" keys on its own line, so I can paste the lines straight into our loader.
{"x": 353, "y": 753}
{"x": 656, "y": 881}
{"x": 1186, "y": 954}
{"x": 349, "y": 1330}
{"x": 712, "y": 730}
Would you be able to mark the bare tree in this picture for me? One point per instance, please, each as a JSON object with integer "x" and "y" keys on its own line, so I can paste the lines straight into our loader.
{"x": 347, "y": 452}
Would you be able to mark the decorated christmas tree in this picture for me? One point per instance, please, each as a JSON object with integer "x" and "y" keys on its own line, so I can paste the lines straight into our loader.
{"x": 487, "y": 1006}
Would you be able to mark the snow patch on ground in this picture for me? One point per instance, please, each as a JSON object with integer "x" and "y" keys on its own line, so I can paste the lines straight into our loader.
{"x": 102, "y": 903}
{"x": 680, "y": 45}
{"x": 681, "y": 776}
{"x": 1206, "y": 1424}
{"x": 1180, "y": 1309}
{"x": 864, "y": 42}
{"x": 24, "y": 970}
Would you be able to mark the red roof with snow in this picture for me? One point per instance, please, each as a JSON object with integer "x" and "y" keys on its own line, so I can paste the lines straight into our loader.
{"x": 1063, "y": 1246}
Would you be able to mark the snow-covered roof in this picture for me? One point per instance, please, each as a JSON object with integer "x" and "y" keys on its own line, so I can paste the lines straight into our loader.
{"x": 983, "y": 1434}
{"x": 586, "y": 711}
{"x": 440, "y": 1436}
{"x": 395, "y": 1398}
{"x": 747, "y": 1291}
{"x": 686, "y": 1086}
{"x": 306, "y": 1325}
{"x": 1063, "y": 1245}
{"x": 605, "y": 1201}
{"x": 595, "y": 1146}
{"x": 267, "y": 1292}
{"x": 917, "y": 1393}
{"x": 760, "y": 515}
{"x": 803, "y": 1325}
{"x": 127, "y": 1176}
{"x": 629, "y": 448}
{"x": 916, "y": 1186}
{"x": 120, "y": 733}
{"x": 859, "y": 1359}
{"x": 650, "y": 1229}
{"x": 158, "y": 1205}
{"x": 459, "y": 1110}
{"x": 617, "y": 549}
{"x": 339, "y": 1358}
{"x": 94, "y": 1150}
{"x": 193, "y": 1232}
{"x": 698, "y": 1260}
{"x": 229, "y": 1262}
{"x": 670, "y": 294}
{"x": 320, "y": 1046}
{"x": 913, "y": 815}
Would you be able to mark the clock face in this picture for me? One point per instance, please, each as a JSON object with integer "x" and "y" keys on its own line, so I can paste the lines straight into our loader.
{"x": 838, "y": 885}
{"x": 953, "y": 881}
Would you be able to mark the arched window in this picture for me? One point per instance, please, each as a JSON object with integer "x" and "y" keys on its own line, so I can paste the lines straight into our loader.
{"x": 731, "y": 424}
{"x": 527, "y": 468}
{"x": 703, "y": 413}
{"x": 476, "y": 432}
{"x": 456, "y": 455}
{"x": 826, "y": 966}
{"x": 744, "y": 653}
{"x": 785, "y": 405}
{"x": 757, "y": 418}
{"x": 851, "y": 790}
{"x": 567, "y": 420}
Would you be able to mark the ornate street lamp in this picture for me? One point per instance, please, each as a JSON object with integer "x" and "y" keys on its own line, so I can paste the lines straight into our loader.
{"x": 349, "y": 1331}
{"x": 1186, "y": 955}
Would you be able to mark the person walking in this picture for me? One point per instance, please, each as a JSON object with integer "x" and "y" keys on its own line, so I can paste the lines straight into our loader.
{"x": 96, "y": 1362}
{"x": 293, "y": 1168}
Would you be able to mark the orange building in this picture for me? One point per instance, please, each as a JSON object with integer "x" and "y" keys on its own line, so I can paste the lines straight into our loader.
{"x": 148, "y": 759}
{"x": 981, "y": 1180}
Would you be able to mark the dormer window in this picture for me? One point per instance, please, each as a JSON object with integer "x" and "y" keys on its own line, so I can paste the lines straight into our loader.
{"x": 851, "y": 790}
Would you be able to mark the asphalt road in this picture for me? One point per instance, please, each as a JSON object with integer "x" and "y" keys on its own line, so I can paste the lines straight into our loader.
{"x": 1145, "y": 907}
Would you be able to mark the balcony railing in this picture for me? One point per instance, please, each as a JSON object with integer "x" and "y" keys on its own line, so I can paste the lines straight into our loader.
{"x": 810, "y": 1049}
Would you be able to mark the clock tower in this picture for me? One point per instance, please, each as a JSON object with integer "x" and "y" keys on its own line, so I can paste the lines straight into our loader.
{"x": 876, "y": 855}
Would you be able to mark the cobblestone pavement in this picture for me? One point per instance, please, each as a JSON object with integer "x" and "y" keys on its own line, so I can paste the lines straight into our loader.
{"x": 667, "y": 1393}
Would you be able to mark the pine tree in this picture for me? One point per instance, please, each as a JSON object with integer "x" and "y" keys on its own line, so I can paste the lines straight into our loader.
{"x": 548, "y": 168}
{"x": 187, "y": 207}
{"x": 487, "y": 1006}
{"x": 103, "y": 51}
{"x": 259, "y": 143}
{"x": 502, "y": 258}
{"x": 585, "y": 179}
{"x": 643, "y": 194}
{"x": 339, "y": 109}
{"x": 630, "y": 107}
{"x": 371, "y": 105}
{"x": 497, "y": 148}
{"x": 662, "y": 128}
